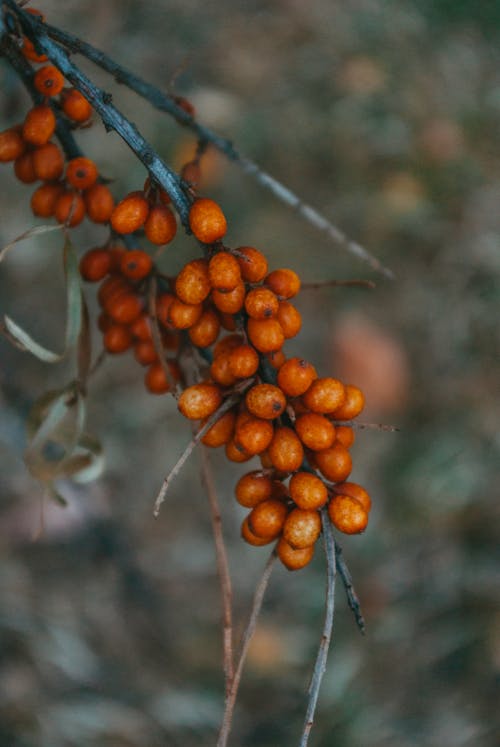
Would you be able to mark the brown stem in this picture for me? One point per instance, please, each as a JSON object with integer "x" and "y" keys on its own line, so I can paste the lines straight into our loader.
{"x": 337, "y": 283}
{"x": 222, "y": 569}
{"x": 245, "y": 644}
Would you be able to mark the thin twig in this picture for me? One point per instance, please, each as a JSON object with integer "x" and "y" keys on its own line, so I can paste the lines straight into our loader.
{"x": 169, "y": 103}
{"x": 371, "y": 426}
{"x": 352, "y": 597}
{"x": 231, "y": 400}
{"x": 258, "y": 598}
{"x": 222, "y": 569}
{"x": 320, "y": 664}
{"x": 337, "y": 283}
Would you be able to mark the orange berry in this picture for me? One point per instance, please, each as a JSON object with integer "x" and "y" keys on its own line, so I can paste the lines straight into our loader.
{"x": 261, "y": 303}
{"x": 23, "y": 168}
{"x": 345, "y": 434}
{"x": 229, "y": 302}
{"x": 48, "y": 80}
{"x": 276, "y": 359}
{"x": 39, "y": 125}
{"x": 141, "y": 328}
{"x": 285, "y": 450}
{"x": 81, "y": 172}
{"x": 324, "y": 395}
{"x": 191, "y": 173}
{"x": 302, "y": 528}
{"x": 207, "y": 221}
{"x": 145, "y": 352}
{"x": 184, "y": 315}
{"x": 136, "y": 264}
{"x": 206, "y": 330}
{"x": 75, "y": 105}
{"x": 353, "y": 490}
{"x": 220, "y": 432}
{"x": 296, "y": 376}
{"x": 99, "y": 202}
{"x": 44, "y": 199}
{"x": 265, "y": 401}
{"x": 130, "y": 213}
{"x": 243, "y": 361}
{"x": 48, "y": 162}
{"x": 124, "y": 308}
{"x": 29, "y": 51}
{"x": 352, "y": 405}
{"x": 285, "y": 283}
{"x": 160, "y": 226}
{"x": 253, "y": 264}
{"x": 12, "y": 145}
{"x": 335, "y": 463}
{"x": 307, "y": 491}
{"x": 200, "y": 401}
{"x": 289, "y": 318}
{"x": 192, "y": 284}
{"x": 236, "y": 453}
{"x": 117, "y": 338}
{"x": 70, "y": 208}
{"x": 95, "y": 265}
{"x": 294, "y": 559}
{"x": 347, "y": 514}
{"x": 252, "y": 538}
{"x": 221, "y": 372}
{"x": 228, "y": 343}
{"x": 254, "y": 435}
{"x": 253, "y": 488}
{"x": 265, "y": 334}
{"x": 224, "y": 272}
{"x": 315, "y": 431}
{"x": 111, "y": 288}
{"x": 156, "y": 380}
{"x": 163, "y": 304}
{"x": 266, "y": 519}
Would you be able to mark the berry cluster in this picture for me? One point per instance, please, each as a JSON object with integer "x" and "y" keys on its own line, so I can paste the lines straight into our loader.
{"x": 299, "y": 424}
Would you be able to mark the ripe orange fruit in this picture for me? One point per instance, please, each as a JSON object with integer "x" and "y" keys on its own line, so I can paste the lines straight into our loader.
{"x": 296, "y": 376}
{"x": 221, "y": 431}
{"x": 265, "y": 334}
{"x": 266, "y": 519}
{"x": 352, "y": 405}
{"x": 229, "y": 302}
{"x": 261, "y": 303}
{"x": 39, "y": 125}
{"x": 302, "y": 528}
{"x": 285, "y": 450}
{"x": 294, "y": 559}
{"x": 224, "y": 272}
{"x": 136, "y": 264}
{"x": 44, "y": 199}
{"x": 48, "y": 162}
{"x": 206, "y": 330}
{"x": 200, "y": 401}
{"x": 347, "y": 514}
{"x": 285, "y": 283}
{"x": 160, "y": 226}
{"x": 99, "y": 202}
{"x": 308, "y": 491}
{"x": 253, "y": 488}
{"x": 95, "y": 265}
{"x": 253, "y": 264}
{"x": 48, "y": 80}
{"x": 315, "y": 431}
{"x": 192, "y": 284}
{"x": 81, "y": 172}
{"x": 265, "y": 401}
{"x": 75, "y": 105}
{"x": 252, "y": 538}
{"x": 289, "y": 318}
{"x": 12, "y": 145}
{"x": 117, "y": 338}
{"x": 130, "y": 214}
{"x": 325, "y": 395}
{"x": 23, "y": 168}
{"x": 354, "y": 490}
{"x": 70, "y": 208}
{"x": 335, "y": 463}
{"x": 207, "y": 221}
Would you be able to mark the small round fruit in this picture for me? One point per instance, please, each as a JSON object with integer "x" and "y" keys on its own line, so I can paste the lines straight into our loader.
{"x": 315, "y": 431}
{"x": 81, "y": 172}
{"x": 124, "y": 308}
{"x": 261, "y": 303}
{"x": 99, "y": 202}
{"x": 184, "y": 315}
{"x": 325, "y": 395}
{"x": 39, "y": 125}
{"x": 192, "y": 284}
{"x": 285, "y": 283}
{"x": 253, "y": 264}
{"x": 354, "y": 490}
{"x": 352, "y": 405}
{"x": 308, "y": 491}
{"x": 117, "y": 339}
{"x": 44, "y": 199}
{"x": 345, "y": 434}
{"x": 265, "y": 334}
{"x": 285, "y": 450}
{"x": 145, "y": 352}
{"x": 136, "y": 264}
{"x": 229, "y": 302}
{"x": 95, "y": 265}
{"x": 156, "y": 380}
{"x": 347, "y": 514}
{"x": 302, "y": 528}
{"x": 224, "y": 272}
{"x": 70, "y": 209}
{"x": 221, "y": 372}
{"x": 334, "y": 463}
{"x": 199, "y": 401}
{"x": 130, "y": 214}
{"x": 48, "y": 162}
{"x": 12, "y": 145}
{"x": 243, "y": 361}
{"x": 236, "y": 453}
{"x": 265, "y": 401}
{"x": 254, "y": 435}
{"x": 160, "y": 226}
{"x": 48, "y": 80}
{"x": 294, "y": 559}
{"x": 23, "y": 168}
{"x": 251, "y": 538}
{"x": 266, "y": 519}
{"x": 207, "y": 221}
{"x": 289, "y": 318}
{"x": 206, "y": 330}
{"x": 220, "y": 432}
{"x": 296, "y": 376}
{"x": 253, "y": 488}
{"x": 75, "y": 105}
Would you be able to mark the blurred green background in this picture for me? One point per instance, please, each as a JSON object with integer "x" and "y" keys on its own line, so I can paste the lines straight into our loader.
{"x": 385, "y": 116}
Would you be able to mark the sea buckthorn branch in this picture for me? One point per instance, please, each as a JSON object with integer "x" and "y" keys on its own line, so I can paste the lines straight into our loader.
{"x": 320, "y": 664}
{"x": 184, "y": 114}
{"x": 112, "y": 118}
{"x": 352, "y": 597}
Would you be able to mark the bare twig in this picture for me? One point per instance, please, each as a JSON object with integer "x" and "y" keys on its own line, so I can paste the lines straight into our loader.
{"x": 371, "y": 426}
{"x": 170, "y": 104}
{"x": 245, "y": 644}
{"x": 231, "y": 400}
{"x": 352, "y": 597}
{"x": 222, "y": 569}
{"x": 320, "y": 664}
{"x": 337, "y": 283}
